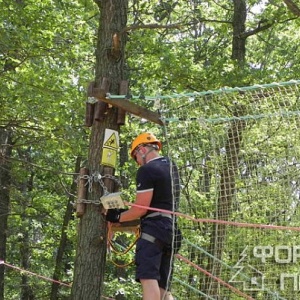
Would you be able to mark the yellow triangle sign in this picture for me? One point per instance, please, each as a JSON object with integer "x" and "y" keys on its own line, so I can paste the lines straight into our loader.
{"x": 112, "y": 142}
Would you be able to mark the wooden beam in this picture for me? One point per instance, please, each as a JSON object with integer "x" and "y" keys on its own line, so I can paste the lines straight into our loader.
{"x": 125, "y": 104}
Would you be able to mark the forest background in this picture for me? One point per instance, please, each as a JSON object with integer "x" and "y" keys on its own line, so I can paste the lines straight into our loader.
{"x": 50, "y": 52}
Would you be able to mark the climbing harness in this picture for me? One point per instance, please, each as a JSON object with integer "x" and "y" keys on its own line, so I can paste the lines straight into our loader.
{"x": 111, "y": 228}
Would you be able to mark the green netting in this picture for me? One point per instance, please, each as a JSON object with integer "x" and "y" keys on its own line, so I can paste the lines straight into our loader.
{"x": 238, "y": 152}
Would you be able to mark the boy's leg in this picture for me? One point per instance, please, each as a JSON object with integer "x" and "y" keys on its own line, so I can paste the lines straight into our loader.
{"x": 151, "y": 289}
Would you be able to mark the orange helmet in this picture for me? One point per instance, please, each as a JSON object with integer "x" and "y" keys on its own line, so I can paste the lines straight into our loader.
{"x": 144, "y": 138}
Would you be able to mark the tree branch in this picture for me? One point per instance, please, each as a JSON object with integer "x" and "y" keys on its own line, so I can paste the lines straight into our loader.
{"x": 171, "y": 26}
{"x": 256, "y": 30}
{"x": 292, "y": 7}
{"x": 152, "y": 26}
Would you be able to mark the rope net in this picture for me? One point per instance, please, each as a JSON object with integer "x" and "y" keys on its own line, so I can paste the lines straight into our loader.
{"x": 237, "y": 151}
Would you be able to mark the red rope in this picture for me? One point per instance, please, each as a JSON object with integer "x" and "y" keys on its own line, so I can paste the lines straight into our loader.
{"x": 214, "y": 277}
{"x": 2, "y": 262}
{"x": 231, "y": 223}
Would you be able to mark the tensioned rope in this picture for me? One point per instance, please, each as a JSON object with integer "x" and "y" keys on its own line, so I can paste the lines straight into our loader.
{"x": 202, "y": 220}
{"x": 187, "y": 261}
{"x": 240, "y": 118}
{"x": 2, "y": 262}
{"x": 239, "y": 224}
{"x": 178, "y": 256}
{"x": 222, "y": 282}
{"x": 276, "y": 296}
{"x": 231, "y": 223}
{"x": 192, "y": 288}
{"x": 209, "y": 92}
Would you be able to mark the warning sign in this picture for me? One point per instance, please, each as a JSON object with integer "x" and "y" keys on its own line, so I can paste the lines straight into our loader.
{"x": 110, "y": 148}
{"x": 109, "y": 157}
{"x": 111, "y": 139}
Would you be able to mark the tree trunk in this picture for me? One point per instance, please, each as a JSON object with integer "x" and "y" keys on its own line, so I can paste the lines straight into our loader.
{"x": 224, "y": 205}
{"x": 238, "y": 22}
{"x": 5, "y": 180}
{"x": 230, "y": 165}
{"x": 25, "y": 188}
{"x": 59, "y": 265}
{"x": 92, "y": 232}
{"x": 27, "y": 292}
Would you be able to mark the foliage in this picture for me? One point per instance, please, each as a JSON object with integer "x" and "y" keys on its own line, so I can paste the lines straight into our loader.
{"x": 196, "y": 53}
{"x": 46, "y": 61}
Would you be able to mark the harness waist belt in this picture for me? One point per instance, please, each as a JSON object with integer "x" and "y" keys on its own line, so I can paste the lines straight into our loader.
{"x": 148, "y": 237}
{"x": 158, "y": 214}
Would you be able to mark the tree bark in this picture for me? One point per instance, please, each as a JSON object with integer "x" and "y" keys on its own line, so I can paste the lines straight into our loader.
{"x": 25, "y": 188}
{"x": 26, "y": 292}
{"x": 92, "y": 232}
{"x": 238, "y": 23}
{"x": 5, "y": 181}
{"x": 230, "y": 164}
{"x": 293, "y": 7}
{"x": 59, "y": 265}
{"x": 224, "y": 205}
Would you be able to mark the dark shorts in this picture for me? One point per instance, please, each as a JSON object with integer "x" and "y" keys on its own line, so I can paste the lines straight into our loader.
{"x": 153, "y": 262}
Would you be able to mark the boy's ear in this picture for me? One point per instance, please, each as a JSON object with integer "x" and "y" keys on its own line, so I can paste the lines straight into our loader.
{"x": 144, "y": 150}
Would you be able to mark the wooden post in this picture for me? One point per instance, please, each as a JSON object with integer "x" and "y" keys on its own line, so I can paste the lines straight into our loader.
{"x": 100, "y": 110}
{"x": 89, "y": 114}
{"x": 82, "y": 192}
{"x": 101, "y": 107}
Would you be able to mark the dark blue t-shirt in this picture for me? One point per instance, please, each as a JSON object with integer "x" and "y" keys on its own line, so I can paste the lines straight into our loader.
{"x": 156, "y": 175}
